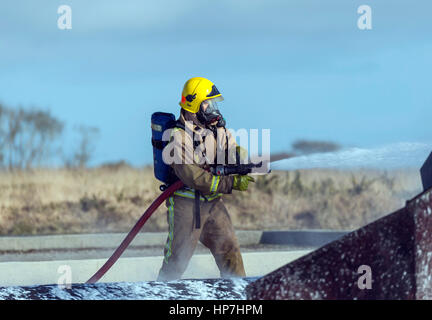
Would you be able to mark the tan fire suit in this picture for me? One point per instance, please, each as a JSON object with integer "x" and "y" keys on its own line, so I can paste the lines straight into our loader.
{"x": 215, "y": 231}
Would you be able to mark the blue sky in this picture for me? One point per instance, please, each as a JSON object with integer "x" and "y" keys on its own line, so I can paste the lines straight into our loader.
{"x": 301, "y": 68}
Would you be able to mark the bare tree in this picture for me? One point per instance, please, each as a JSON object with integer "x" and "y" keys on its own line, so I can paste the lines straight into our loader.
{"x": 14, "y": 127}
{"x": 29, "y": 137}
{"x": 2, "y": 134}
{"x": 40, "y": 130}
{"x": 86, "y": 145}
{"x": 26, "y": 136}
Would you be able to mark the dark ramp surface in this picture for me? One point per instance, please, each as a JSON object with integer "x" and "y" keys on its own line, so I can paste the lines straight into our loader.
{"x": 188, "y": 289}
{"x": 397, "y": 248}
{"x": 426, "y": 173}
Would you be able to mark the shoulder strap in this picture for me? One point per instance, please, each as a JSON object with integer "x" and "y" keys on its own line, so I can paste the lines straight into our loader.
{"x": 180, "y": 125}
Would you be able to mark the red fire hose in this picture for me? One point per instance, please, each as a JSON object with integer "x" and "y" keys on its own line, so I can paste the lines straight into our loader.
{"x": 131, "y": 235}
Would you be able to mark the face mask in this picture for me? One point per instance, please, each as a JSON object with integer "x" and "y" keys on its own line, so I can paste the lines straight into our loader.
{"x": 211, "y": 112}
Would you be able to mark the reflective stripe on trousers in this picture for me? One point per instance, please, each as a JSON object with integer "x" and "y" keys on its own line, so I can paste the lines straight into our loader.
{"x": 168, "y": 245}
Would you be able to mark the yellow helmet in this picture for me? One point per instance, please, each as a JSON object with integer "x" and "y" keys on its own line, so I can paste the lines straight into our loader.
{"x": 195, "y": 91}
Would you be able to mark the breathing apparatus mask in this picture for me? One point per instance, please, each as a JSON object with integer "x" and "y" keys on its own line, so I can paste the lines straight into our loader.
{"x": 209, "y": 112}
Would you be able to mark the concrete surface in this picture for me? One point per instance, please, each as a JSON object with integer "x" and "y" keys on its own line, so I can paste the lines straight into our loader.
{"x": 32, "y": 260}
{"x": 296, "y": 238}
{"x": 133, "y": 269}
{"x": 105, "y": 253}
{"x": 102, "y": 240}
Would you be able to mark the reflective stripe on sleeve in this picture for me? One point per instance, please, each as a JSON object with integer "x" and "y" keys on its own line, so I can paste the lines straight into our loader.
{"x": 214, "y": 183}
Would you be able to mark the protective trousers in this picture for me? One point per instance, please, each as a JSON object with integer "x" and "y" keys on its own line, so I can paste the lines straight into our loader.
{"x": 216, "y": 233}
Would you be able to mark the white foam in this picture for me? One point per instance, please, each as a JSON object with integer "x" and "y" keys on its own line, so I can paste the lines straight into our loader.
{"x": 399, "y": 155}
{"x": 191, "y": 289}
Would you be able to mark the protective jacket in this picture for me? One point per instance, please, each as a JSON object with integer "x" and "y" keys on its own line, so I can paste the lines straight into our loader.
{"x": 193, "y": 150}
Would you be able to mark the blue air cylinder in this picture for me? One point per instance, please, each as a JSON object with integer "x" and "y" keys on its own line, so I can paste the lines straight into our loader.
{"x": 161, "y": 121}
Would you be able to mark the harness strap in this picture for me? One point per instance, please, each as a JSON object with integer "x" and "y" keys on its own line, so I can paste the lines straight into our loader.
{"x": 197, "y": 210}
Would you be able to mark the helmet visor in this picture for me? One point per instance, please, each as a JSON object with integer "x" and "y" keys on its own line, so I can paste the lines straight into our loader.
{"x": 209, "y": 111}
{"x": 210, "y": 106}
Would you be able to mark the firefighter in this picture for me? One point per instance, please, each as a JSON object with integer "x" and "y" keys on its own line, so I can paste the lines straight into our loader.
{"x": 197, "y": 212}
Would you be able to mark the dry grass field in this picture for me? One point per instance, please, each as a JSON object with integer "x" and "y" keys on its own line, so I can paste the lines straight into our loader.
{"x": 59, "y": 201}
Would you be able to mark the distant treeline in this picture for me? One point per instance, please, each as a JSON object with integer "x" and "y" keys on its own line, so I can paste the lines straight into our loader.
{"x": 305, "y": 147}
{"x": 30, "y": 137}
